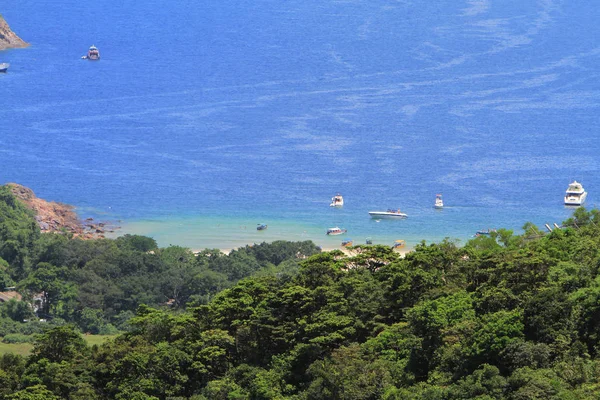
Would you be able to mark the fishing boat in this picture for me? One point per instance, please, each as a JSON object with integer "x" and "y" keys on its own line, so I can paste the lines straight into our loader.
{"x": 390, "y": 213}
{"x": 347, "y": 243}
{"x": 439, "y": 203}
{"x": 4, "y": 67}
{"x": 261, "y": 227}
{"x": 92, "y": 54}
{"x": 337, "y": 201}
{"x": 575, "y": 194}
{"x": 336, "y": 231}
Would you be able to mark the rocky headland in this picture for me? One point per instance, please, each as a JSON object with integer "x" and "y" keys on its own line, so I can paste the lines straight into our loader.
{"x": 9, "y": 39}
{"x": 59, "y": 217}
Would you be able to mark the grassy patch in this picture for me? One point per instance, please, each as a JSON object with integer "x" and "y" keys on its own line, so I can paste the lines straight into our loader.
{"x": 97, "y": 339}
{"x": 17, "y": 348}
{"x": 25, "y": 348}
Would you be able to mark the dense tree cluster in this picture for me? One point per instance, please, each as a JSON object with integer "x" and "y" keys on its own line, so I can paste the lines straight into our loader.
{"x": 503, "y": 317}
{"x": 98, "y": 284}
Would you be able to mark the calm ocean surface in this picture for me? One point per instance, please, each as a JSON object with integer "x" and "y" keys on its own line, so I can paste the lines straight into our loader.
{"x": 205, "y": 118}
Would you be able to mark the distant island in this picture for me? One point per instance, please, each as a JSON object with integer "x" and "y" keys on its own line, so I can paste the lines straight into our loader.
{"x": 9, "y": 39}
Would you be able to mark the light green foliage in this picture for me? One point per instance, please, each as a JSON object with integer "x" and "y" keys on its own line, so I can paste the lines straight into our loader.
{"x": 495, "y": 332}
{"x": 18, "y": 232}
{"x": 37, "y": 392}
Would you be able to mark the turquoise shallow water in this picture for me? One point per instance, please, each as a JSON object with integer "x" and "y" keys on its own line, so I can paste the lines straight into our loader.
{"x": 234, "y": 113}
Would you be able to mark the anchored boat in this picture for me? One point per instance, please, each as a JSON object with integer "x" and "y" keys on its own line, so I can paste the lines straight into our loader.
{"x": 92, "y": 54}
{"x": 439, "y": 203}
{"x": 336, "y": 231}
{"x": 337, "y": 201}
{"x": 4, "y": 67}
{"x": 575, "y": 194}
{"x": 390, "y": 213}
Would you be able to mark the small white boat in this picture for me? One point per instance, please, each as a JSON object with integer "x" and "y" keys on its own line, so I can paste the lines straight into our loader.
{"x": 336, "y": 231}
{"x": 439, "y": 203}
{"x": 337, "y": 201}
{"x": 92, "y": 54}
{"x": 4, "y": 67}
{"x": 390, "y": 213}
{"x": 575, "y": 194}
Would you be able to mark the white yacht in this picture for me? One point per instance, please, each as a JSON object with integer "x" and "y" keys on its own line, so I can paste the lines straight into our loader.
{"x": 575, "y": 195}
{"x": 390, "y": 213}
{"x": 336, "y": 231}
{"x": 439, "y": 203}
{"x": 337, "y": 201}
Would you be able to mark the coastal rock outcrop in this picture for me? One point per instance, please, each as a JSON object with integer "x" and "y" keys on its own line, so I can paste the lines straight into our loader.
{"x": 57, "y": 217}
{"x": 9, "y": 39}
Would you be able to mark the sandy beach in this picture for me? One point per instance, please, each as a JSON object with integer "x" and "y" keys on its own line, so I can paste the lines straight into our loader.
{"x": 347, "y": 251}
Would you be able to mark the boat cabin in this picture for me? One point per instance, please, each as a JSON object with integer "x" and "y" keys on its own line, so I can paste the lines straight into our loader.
{"x": 93, "y": 53}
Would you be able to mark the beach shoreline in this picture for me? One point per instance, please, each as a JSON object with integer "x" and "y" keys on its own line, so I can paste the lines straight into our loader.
{"x": 347, "y": 251}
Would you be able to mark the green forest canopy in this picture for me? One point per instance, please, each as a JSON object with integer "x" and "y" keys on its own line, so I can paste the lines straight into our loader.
{"x": 503, "y": 317}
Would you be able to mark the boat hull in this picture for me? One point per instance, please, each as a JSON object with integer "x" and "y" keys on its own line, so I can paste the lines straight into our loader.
{"x": 380, "y": 214}
{"x": 575, "y": 200}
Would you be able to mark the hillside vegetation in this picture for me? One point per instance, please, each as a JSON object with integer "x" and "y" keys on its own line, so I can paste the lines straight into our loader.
{"x": 503, "y": 317}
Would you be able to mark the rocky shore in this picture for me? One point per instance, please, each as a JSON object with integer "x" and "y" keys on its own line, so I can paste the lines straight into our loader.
{"x": 59, "y": 217}
{"x": 9, "y": 39}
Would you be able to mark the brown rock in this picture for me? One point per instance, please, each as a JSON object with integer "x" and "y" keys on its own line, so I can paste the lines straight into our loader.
{"x": 8, "y": 39}
{"x": 53, "y": 216}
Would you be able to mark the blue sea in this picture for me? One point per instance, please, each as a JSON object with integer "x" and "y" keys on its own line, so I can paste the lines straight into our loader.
{"x": 203, "y": 119}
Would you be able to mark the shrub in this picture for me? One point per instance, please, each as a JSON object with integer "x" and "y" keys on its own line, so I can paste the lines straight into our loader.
{"x": 17, "y": 338}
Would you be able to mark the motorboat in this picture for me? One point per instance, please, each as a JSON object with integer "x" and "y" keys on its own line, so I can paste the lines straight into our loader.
{"x": 399, "y": 244}
{"x": 487, "y": 232}
{"x": 92, "y": 54}
{"x": 336, "y": 231}
{"x": 4, "y": 67}
{"x": 575, "y": 195}
{"x": 261, "y": 227}
{"x": 347, "y": 243}
{"x": 369, "y": 241}
{"x": 337, "y": 201}
{"x": 439, "y": 203}
{"x": 390, "y": 213}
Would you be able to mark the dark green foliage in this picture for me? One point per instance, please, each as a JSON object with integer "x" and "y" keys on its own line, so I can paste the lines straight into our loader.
{"x": 137, "y": 243}
{"x": 16, "y": 310}
{"x": 58, "y": 344}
